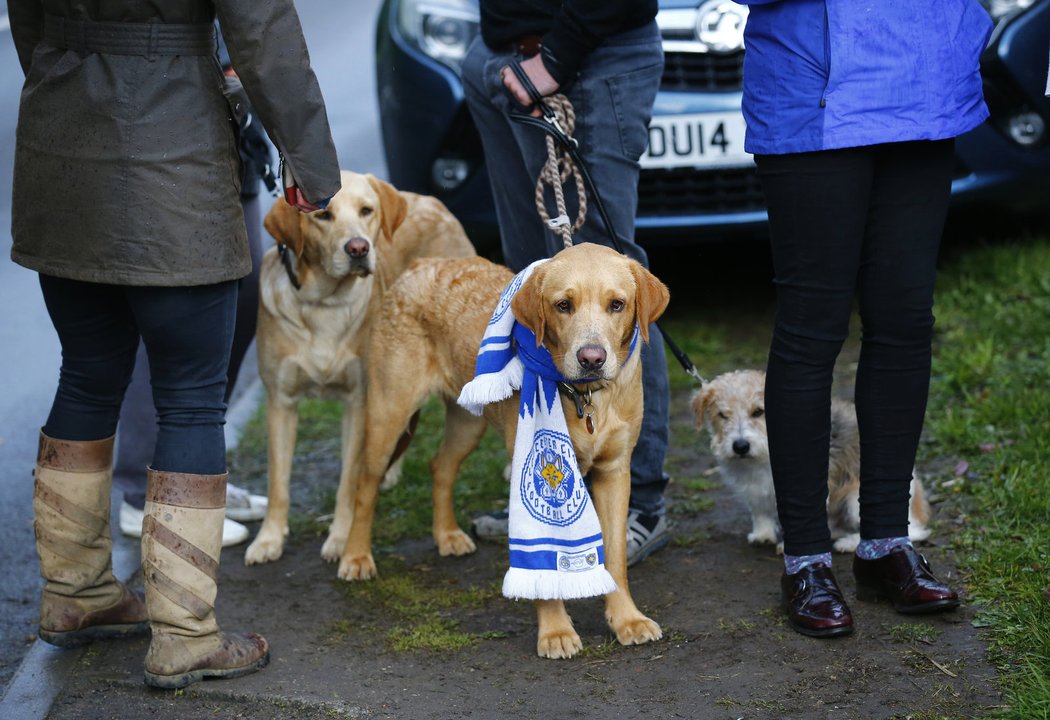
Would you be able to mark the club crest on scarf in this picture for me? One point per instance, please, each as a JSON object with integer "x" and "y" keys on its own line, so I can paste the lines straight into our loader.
{"x": 551, "y": 490}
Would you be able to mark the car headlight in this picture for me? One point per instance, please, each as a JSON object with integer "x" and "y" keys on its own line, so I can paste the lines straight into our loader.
{"x": 999, "y": 9}
{"x": 442, "y": 29}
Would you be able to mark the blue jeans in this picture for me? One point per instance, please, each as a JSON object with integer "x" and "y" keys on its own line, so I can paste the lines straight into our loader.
{"x": 613, "y": 98}
{"x": 860, "y": 224}
{"x": 187, "y": 332}
{"x": 137, "y": 429}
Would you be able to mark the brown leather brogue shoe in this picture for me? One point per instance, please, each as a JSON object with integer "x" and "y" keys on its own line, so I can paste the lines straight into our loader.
{"x": 814, "y": 603}
{"x": 904, "y": 578}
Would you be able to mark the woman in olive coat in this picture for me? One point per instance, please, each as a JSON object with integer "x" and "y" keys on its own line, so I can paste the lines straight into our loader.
{"x": 126, "y": 202}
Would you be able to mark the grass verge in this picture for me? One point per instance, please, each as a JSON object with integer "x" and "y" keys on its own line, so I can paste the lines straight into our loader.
{"x": 989, "y": 414}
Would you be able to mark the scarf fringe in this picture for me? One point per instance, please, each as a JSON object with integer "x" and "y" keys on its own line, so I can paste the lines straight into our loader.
{"x": 522, "y": 584}
{"x": 485, "y": 389}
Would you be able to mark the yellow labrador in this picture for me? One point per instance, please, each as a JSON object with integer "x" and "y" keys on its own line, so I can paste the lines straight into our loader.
{"x": 318, "y": 299}
{"x": 582, "y": 304}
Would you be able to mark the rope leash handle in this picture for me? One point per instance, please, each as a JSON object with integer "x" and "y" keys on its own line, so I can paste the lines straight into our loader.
{"x": 555, "y": 132}
{"x": 559, "y": 167}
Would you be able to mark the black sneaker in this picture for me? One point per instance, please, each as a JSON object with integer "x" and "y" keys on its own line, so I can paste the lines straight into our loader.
{"x": 491, "y": 526}
{"x": 646, "y": 534}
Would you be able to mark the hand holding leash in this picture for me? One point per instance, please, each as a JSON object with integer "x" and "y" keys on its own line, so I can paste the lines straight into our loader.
{"x": 519, "y": 80}
{"x": 294, "y": 196}
{"x": 529, "y": 85}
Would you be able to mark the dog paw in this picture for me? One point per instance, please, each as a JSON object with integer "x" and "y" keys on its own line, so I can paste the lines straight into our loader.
{"x": 357, "y": 567}
{"x": 917, "y": 532}
{"x": 636, "y": 631}
{"x": 559, "y": 645}
{"x": 332, "y": 550}
{"x": 454, "y": 542}
{"x": 263, "y": 550}
{"x": 847, "y": 543}
{"x": 762, "y": 538}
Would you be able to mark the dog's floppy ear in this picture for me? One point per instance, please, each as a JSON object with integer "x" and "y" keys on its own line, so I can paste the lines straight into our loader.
{"x": 282, "y": 222}
{"x": 528, "y": 306}
{"x": 392, "y": 206}
{"x": 702, "y": 400}
{"x": 651, "y": 300}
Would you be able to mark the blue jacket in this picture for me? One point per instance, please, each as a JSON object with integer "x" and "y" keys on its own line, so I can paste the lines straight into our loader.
{"x": 827, "y": 74}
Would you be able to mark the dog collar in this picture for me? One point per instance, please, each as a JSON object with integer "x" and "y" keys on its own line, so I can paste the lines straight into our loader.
{"x": 286, "y": 260}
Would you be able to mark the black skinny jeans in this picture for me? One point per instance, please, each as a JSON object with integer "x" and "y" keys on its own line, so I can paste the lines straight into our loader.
{"x": 187, "y": 332}
{"x": 862, "y": 223}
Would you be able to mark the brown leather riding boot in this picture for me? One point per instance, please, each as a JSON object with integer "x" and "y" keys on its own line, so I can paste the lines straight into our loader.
{"x": 181, "y": 540}
{"x": 81, "y": 601}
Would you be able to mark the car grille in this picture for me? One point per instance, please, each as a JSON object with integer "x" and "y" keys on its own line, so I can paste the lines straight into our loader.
{"x": 698, "y": 72}
{"x": 688, "y": 191}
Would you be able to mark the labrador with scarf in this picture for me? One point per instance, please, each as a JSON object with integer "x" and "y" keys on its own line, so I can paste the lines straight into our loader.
{"x": 559, "y": 376}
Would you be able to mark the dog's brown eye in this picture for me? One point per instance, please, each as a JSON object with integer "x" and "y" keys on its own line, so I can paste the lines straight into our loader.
{"x": 366, "y": 211}
{"x": 563, "y": 306}
{"x": 723, "y": 415}
{"x": 758, "y": 412}
{"x": 322, "y": 215}
{"x": 616, "y": 306}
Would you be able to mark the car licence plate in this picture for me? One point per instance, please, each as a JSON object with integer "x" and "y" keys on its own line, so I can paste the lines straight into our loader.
{"x": 706, "y": 140}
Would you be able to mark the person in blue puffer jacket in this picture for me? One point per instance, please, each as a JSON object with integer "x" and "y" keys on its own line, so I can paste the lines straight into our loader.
{"x": 851, "y": 108}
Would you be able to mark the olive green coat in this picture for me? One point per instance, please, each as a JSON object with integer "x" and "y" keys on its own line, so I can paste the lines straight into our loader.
{"x": 126, "y": 165}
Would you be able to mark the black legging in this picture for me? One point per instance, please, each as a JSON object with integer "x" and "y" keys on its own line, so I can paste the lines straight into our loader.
{"x": 866, "y": 223}
{"x": 187, "y": 332}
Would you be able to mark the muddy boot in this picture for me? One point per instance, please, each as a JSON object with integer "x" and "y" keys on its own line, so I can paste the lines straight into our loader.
{"x": 181, "y": 539}
{"x": 82, "y": 601}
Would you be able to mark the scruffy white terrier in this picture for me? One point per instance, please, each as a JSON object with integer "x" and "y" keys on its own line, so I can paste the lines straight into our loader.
{"x": 732, "y": 410}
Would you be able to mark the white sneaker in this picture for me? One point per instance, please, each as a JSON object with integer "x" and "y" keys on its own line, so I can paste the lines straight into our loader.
{"x": 242, "y": 506}
{"x": 233, "y": 533}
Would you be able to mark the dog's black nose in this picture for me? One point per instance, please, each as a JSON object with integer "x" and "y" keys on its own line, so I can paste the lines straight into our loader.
{"x": 356, "y": 247}
{"x": 591, "y": 357}
{"x": 741, "y": 447}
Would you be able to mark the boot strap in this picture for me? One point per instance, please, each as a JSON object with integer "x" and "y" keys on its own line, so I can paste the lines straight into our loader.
{"x": 71, "y": 551}
{"x": 50, "y": 497}
{"x": 175, "y": 592}
{"x": 181, "y": 547}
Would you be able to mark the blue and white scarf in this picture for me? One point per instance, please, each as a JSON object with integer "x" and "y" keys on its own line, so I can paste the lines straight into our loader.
{"x": 556, "y": 550}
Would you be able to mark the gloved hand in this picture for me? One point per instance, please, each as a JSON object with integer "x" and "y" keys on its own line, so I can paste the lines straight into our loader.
{"x": 294, "y": 196}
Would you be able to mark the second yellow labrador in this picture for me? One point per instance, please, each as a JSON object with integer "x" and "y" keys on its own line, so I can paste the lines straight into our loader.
{"x": 585, "y": 301}
{"x": 318, "y": 300}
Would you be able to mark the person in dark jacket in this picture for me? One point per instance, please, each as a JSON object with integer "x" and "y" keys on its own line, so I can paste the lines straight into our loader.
{"x": 126, "y": 202}
{"x": 607, "y": 59}
{"x": 137, "y": 429}
{"x": 851, "y": 111}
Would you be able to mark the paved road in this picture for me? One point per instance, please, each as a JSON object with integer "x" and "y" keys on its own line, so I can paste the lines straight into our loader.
{"x": 340, "y": 36}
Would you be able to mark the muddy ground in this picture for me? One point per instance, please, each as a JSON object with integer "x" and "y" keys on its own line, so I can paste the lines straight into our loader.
{"x": 726, "y": 652}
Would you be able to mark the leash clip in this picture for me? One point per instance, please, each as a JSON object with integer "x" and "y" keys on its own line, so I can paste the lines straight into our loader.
{"x": 563, "y": 137}
{"x": 557, "y": 222}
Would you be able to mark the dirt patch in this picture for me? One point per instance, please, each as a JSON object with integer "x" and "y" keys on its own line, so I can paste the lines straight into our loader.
{"x": 726, "y": 651}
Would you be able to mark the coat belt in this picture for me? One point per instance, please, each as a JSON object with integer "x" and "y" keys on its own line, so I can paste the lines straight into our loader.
{"x": 120, "y": 38}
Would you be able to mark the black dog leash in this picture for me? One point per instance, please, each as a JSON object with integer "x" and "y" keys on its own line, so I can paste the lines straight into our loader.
{"x": 550, "y": 125}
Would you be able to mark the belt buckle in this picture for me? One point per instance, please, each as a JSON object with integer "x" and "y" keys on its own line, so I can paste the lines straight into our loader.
{"x": 528, "y": 45}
